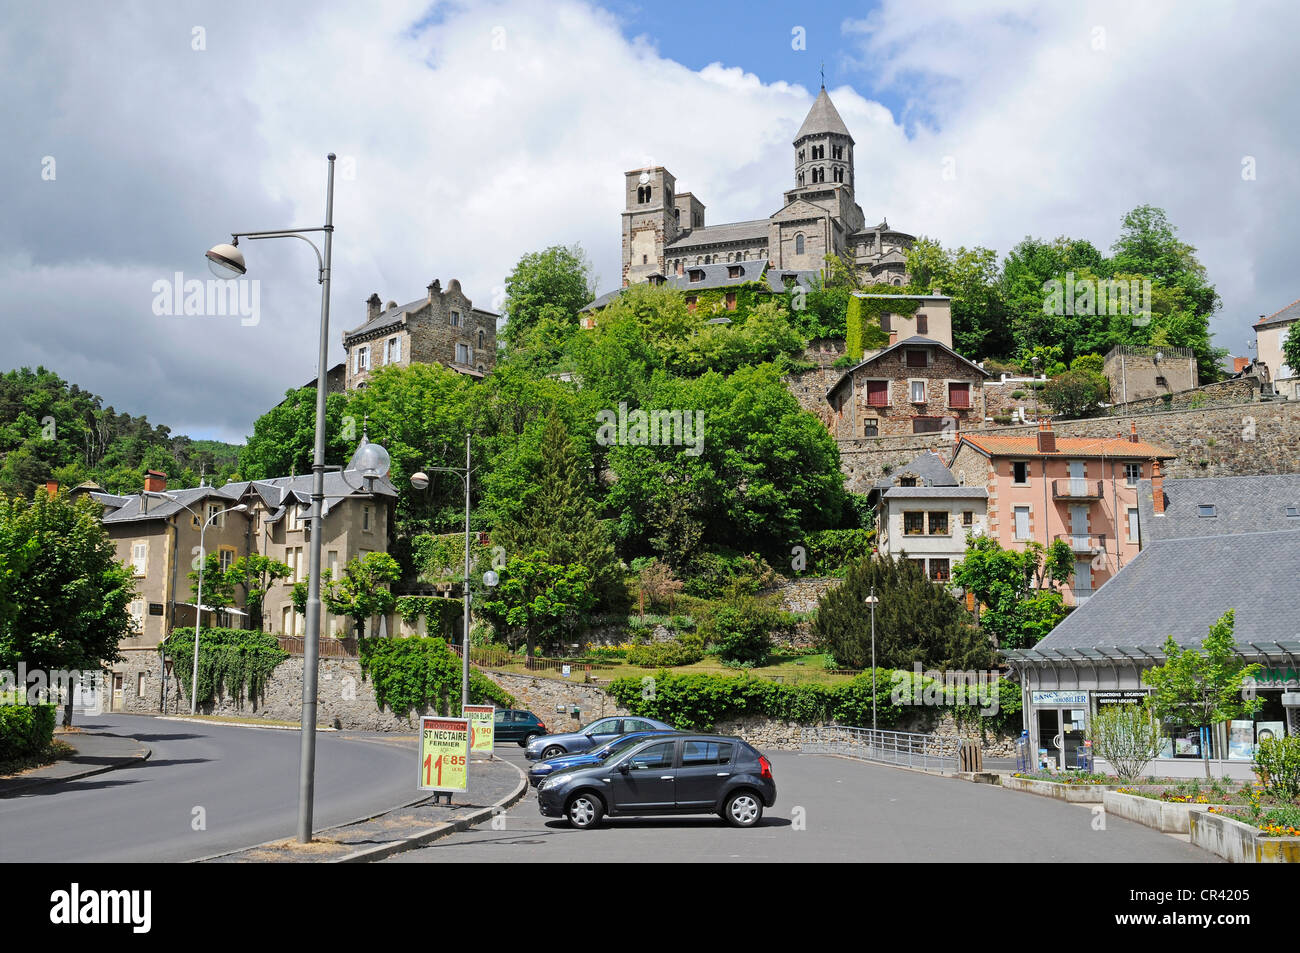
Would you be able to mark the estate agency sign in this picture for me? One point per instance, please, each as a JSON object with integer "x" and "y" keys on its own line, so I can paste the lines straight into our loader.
{"x": 444, "y": 754}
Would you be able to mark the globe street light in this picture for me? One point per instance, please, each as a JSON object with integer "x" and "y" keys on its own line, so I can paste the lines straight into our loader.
{"x": 227, "y": 261}
{"x": 871, "y": 600}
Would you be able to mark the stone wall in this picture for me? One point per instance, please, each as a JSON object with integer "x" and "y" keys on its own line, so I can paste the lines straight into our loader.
{"x": 553, "y": 700}
{"x": 1245, "y": 439}
{"x": 1239, "y": 390}
{"x": 767, "y": 734}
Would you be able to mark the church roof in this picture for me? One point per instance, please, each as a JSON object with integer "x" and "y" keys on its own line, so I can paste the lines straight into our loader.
{"x": 752, "y": 231}
{"x": 822, "y": 118}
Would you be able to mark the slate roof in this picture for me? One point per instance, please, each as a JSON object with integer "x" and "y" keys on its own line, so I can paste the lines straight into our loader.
{"x": 1000, "y": 446}
{"x": 717, "y": 275}
{"x": 936, "y": 492}
{"x": 393, "y": 317}
{"x": 915, "y": 340}
{"x": 717, "y": 234}
{"x": 276, "y": 493}
{"x": 153, "y": 507}
{"x": 1282, "y": 316}
{"x": 1180, "y": 587}
{"x": 928, "y": 467}
{"x": 1245, "y": 504}
{"x": 822, "y": 118}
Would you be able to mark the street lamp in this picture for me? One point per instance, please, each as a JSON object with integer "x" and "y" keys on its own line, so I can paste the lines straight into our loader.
{"x": 198, "y": 608}
{"x": 420, "y": 480}
{"x": 227, "y": 261}
{"x": 871, "y": 600}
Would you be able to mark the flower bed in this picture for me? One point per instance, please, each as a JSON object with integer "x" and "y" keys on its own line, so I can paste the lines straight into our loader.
{"x": 1237, "y": 841}
{"x": 1082, "y": 788}
{"x": 1170, "y": 817}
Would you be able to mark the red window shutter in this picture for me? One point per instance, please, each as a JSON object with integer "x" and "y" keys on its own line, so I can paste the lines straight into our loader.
{"x": 959, "y": 395}
{"x": 878, "y": 393}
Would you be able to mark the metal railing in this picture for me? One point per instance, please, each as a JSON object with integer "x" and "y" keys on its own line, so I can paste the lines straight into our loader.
{"x": 1078, "y": 489}
{"x": 329, "y": 648}
{"x": 910, "y": 749}
{"x": 1083, "y": 542}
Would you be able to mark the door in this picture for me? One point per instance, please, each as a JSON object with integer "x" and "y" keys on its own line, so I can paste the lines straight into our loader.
{"x": 1082, "y": 580}
{"x": 117, "y": 691}
{"x": 1078, "y": 478}
{"x": 1073, "y": 731}
{"x": 704, "y": 770}
{"x": 502, "y": 730}
{"x": 650, "y": 783}
{"x": 1079, "y": 528}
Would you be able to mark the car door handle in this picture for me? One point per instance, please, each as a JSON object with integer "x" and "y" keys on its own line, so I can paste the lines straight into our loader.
{"x": 665, "y": 777}
{"x": 724, "y": 774}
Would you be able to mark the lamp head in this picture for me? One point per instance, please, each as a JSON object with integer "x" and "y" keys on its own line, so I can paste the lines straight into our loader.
{"x": 490, "y": 579}
{"x": 371, "y": 461}
{"x": 241, "y": 508}
{"x": 226, "y": 261}
{"x": 419, "y": 480}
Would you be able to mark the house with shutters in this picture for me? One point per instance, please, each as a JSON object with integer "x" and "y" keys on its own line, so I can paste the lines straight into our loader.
{"x": 917, "y": 385}
{"x": 1083, "y": 490}
{"x": 443, "y": 328}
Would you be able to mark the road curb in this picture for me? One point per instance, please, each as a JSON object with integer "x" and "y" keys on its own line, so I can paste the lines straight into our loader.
{"x": 238, "y": 724}
{"x": 17, "y": 785}
{"x": 382, "y": 851}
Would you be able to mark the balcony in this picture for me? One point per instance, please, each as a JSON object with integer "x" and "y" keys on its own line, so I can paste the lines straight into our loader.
{"x": 1083, "y": 543}
{"x": 1078, "y": 490}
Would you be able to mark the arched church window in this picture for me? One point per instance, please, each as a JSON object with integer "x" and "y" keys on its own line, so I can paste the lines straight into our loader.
{"x": 798, "y": 244}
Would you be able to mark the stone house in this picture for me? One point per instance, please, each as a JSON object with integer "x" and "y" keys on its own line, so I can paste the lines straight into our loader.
{"x": 915, "y": 386}
{"x": 1083, "y": 490}
{"x": 441, "y": 328}
{"x": 1138, "y": 372}
{"x": 1270, "y": 331}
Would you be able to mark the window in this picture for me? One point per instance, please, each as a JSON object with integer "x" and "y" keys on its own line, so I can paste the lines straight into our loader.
{"x": 907, "y": 481}
{"x": 731, "y": 301}
{"x": 938, "y": 522}
{"x": 139, "y": 684}
{"x": 137, "y": 615}
{"x": 656, "y": 757}
{"x": 871, "y": 428}
{"x": 913, "y": 524}
{"x": 837, "y": 152}
{"x": 1020, "y": 472}
{"x": 696, "y": 274}
{"x": 1206, "y": 510}
{"x": 332, "y": 563}
{"x": 287, "y": 620}
{"x": 690, "y": 302}
{"x": 798, "y": 244}
{"x": 877, "y": 393}
{"x": 734, "y": 271}
{"x": 929, "y": 424}
{"x": 968, "y": 518}
{"x": 139, "y": 557}
{"x": 455, "y": 319}
{"x": 886, "y": 322}
{"x": 361, "y": 359}
{"x": 462, "y": 354}
{"x": 1022, "y": 522}
{"x": 916, "y": 358}
{"x": 837, "y": 174}
{"x": 959, "y": 395}
{"x": 216, "y": 516}
{"x": 939, "y": 570}
{"x": 394, "y": 350}
{"x": 482, "y": 335}
{"x": 698, "y": 753}
{"x": 918, "y": 391}
{"x": 922, "y": 324}
{"x": 227, "y": 556}
{"x": 1132, "y": 524}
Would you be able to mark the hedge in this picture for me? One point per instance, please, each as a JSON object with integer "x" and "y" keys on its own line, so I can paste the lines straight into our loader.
{"x": 25, "y": 730}
{"x": 230, "y": 660}
{"x": 420, "y": 674}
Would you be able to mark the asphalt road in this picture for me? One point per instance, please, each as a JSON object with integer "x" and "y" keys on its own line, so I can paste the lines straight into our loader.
{"x": 245, "y": 780}
{"x": 832, "y": 809}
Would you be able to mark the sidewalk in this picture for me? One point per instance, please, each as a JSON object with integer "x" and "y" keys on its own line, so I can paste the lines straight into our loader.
{"x": 494, "y": 785}
{"x": 96, "y": 753}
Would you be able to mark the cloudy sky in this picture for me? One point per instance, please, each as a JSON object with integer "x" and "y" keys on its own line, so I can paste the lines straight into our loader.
{"x": 139, "y": 134}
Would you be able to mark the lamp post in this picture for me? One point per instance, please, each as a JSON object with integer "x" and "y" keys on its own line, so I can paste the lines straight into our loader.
{"x": 420, "y": 481}
{"x": 871, "y": 600}
{"x": 227, "y": 261}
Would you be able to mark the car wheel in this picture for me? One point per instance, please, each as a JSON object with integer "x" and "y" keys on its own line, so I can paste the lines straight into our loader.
{"x": 528, "y": 739}
{"x": 743, "y": 809}
{"x": 554, "y": 751}
{"x": 584, "y": 811}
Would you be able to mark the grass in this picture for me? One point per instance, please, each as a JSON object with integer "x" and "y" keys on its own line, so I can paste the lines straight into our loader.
{"x": 255, "y": 722}
{"x": 787, "y": 667}
{"x": 57, "y": 751}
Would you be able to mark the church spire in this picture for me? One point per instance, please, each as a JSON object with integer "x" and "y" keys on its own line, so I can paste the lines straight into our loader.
{"x": 823, "y": 118}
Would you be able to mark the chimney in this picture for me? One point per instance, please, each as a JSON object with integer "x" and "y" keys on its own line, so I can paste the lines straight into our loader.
{"x": 1157, "y": 489}
{"x": 1046, "y": 437}
{"x": 435, "y": 289}
{"x": 1133, "y": 431}
{"x": 372, "y": 306}
{"x": 155, "y": 481}
{"x": 52, "y": 487}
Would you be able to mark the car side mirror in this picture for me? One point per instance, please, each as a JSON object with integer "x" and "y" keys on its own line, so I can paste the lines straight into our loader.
{"x": 624, "y": 768}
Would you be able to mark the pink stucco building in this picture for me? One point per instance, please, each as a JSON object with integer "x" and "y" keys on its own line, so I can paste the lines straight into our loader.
{"x": 1083, "y": 490}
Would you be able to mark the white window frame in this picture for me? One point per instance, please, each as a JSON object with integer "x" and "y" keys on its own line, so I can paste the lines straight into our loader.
{"x": 222, "y": 553}
{"x": 394, "y": 351}
{"x": 362, "y": 362}
{"x": 911, "y": 390}
{"x": 464, "y": 353}
{"x": 1015, "y": 522}
{"x": 137, "y": 610}
{"x": 1131, "y": 517}
{"x": 1132, "y": 480}
{"x": 367, "y": 524}
{"x": 140, "y": 563}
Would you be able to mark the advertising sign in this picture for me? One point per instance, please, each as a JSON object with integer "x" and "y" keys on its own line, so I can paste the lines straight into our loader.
{"x": 1061, "y": 699}
{"x": 1119, "y": 697}
{"x": 482, "y": 722}
{"x": 444, "y": 754}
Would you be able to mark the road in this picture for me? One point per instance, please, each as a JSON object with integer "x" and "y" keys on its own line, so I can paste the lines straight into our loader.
{"x": 241, "y": 783}
{"x": 832, "y": 809}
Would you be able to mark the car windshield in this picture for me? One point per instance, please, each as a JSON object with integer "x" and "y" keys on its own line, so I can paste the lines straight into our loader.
{"x": 618, "y": 747}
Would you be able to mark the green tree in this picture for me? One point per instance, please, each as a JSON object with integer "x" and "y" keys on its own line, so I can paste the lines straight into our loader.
{"x": 1291, "y": 350}
{"x": 361, "y": 593}
{"x": 256, "y": 574}
{"x": 973, "y": 279}
{"x": 1076, "y": 393}
{"x": 1015, "y": 613}
{"x": 540, "y": 598}
{"x": 547, "y": 286}
{"x": 284, "y": 438}
{"x": 1202, "y": 686}
{"x": 916, "y": 621}
{"x": 67, "y": 606}
{"x": 1128, "y": 737}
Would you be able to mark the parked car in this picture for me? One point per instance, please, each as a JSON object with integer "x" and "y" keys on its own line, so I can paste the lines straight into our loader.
{"x": 685, "y": 774}
{"x": 591, "y": 736}
{"x": 548, "y": 767}
{"x": 513, "y": 724}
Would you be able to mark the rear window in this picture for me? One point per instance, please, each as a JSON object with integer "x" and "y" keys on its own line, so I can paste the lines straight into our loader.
{"x": 697, "y": 753}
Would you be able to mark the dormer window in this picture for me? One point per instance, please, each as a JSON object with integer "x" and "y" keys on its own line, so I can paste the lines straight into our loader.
{"x": 697, "y": 274}
{"x": 734, "y": 271}
{"x": 1206, "y": 510}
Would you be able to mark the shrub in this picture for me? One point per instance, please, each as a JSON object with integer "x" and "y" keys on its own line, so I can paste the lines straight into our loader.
{"x": 742, "y": 629}
{"x": 831, "y": 550}
{"x": 25, "y": 730}
{"x": 416, "y": 673}
{"x": 1002, "y": 419}
{"x": 238, "y": 661}
{"x": 665, "y": 654}
{"x": 1017, "y": 394}
{"x": 1277, "y": 761}
{"x": 1126, "y": 736}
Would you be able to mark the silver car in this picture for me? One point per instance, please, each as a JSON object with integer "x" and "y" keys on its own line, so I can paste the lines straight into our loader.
{"x": 584, "y": 739}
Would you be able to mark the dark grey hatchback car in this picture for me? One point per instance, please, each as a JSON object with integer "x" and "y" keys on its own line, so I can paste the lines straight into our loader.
{"x": 689, "y": 774}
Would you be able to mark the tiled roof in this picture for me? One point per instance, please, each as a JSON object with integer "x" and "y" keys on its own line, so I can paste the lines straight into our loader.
{"x": 1007, "y": 446}
{"x": 719, "y": 234}
{"x": 1244, "y": 504}
{"x": 1282, "y": 316}
{"x": 914, "y": 341}
{"x": 1180, "y": 587}
{"x": 823, "y": 117}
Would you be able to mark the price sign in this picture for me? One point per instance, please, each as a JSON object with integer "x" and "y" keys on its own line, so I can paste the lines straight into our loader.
{"x": 482, "y": 721}
{"x": 444, "y": 754}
